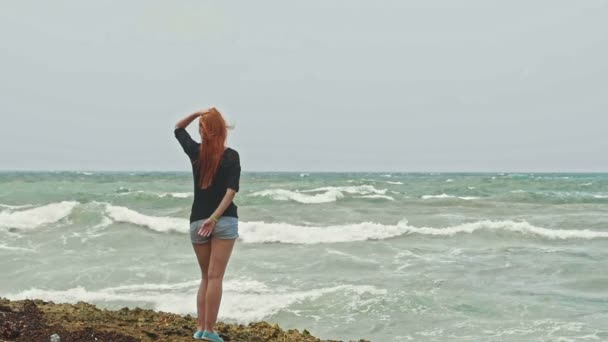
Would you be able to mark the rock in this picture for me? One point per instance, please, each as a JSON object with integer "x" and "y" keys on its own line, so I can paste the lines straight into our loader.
{"x": 36, "y": 320}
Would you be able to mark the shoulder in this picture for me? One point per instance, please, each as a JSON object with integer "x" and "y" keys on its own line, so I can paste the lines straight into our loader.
{"x": 231, "y": 155}
{"x": 230, "y": 152}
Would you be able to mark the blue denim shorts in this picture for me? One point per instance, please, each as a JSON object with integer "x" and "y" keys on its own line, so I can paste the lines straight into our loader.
{"x": 227, "y": 227}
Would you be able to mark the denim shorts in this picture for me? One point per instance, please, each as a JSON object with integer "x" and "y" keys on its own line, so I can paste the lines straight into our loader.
{"x": 227, "y": 227}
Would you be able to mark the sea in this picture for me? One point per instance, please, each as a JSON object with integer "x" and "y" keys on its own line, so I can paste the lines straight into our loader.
{"x": 382, "y": 256}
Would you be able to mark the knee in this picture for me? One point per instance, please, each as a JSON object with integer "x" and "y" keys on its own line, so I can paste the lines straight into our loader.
{"x": 204, "y": 274}
{"x": 213, "y": 275}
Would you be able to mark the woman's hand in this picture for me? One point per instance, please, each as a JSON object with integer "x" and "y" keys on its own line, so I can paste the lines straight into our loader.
{"x": 183, "y": 123}
{"x": 205, "y": 111}
{"x": 207, "y": 227}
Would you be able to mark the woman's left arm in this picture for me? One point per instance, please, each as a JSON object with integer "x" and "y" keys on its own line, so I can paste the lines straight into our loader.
{"x": 228, "y": 197}
{"x": 209, "y": 224}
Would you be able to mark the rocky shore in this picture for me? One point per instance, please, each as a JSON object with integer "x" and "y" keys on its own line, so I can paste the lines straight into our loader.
{"x": 37, "y": 320}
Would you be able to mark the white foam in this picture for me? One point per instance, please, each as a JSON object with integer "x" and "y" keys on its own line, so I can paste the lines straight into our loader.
{"x": 508, "y": 225}
{"x": 12, "y": 248}
{"x": 244, "y": 300}
{"x": 449, "y": 180}
{"x": 125, "y": 192}
{"x": 600, "y": 196}
{"x": 38, "y": 216}
{"x": 286, "y": 195}
{"x": 105, "y": 222}
{"x": 437, "y": 196}
{"x": 587, "y": 184}
{"x": 377, "y": 196}
{"x": 261, "y": 232}
{"x": 8, "y": 206}
{"x": 446, "y": 196}
{"x": 157, "y": 223}
{"x": 176, "y": 194}
{"x": 327, "y": 194}
{"x": 352, "y": 257}
{"x": 468, "y": 198}
{"x": 396, "y": 183}
{"x": 356, "y": 189}
{"x": 361, "y": 180}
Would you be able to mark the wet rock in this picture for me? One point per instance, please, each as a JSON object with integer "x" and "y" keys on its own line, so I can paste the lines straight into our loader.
{"x": 36, "y": 320}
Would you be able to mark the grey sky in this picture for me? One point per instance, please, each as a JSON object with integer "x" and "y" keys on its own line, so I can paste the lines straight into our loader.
{"x": 311, "y": 85}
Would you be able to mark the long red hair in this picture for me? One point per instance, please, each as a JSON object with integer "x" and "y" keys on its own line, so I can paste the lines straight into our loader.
{"x": 213, "y": 136}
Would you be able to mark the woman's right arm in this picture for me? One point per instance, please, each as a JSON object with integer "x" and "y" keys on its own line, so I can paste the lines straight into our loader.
{"x": 183, "y": 123}
{"x": 188, "y": 145}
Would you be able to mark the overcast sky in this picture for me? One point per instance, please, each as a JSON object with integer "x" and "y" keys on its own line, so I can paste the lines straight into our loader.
{"x": 314, "y": 85}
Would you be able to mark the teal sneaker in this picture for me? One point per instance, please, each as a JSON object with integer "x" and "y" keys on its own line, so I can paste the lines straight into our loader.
{"x": 198, "y": 335}
{"x": 211, "y": 336}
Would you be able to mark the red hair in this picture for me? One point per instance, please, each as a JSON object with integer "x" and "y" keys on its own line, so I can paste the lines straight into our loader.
{"x": 213, "y": 137}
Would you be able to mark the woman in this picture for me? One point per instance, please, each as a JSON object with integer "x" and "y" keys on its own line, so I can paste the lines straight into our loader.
{"x": 216, "y": 171}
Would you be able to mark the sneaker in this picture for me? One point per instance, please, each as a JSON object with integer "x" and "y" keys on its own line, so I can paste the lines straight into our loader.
{"x": 211, "y": 336}
{"x": 198, "y": 335}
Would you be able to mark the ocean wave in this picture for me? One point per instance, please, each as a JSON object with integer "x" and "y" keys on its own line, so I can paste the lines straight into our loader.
{"x": 262, "y": 232}
{"x": 327, "y": 194}
{"x": 158, "y": 223}
{"x": 105, "y": 222}
{"x": 395, "y": 183}
{"x": 352, "y": 189}
{"x": 352, "y": 257}
{"x": 13, "y": 248}
{"x": 361, "y": 180}
{"x": 287, "y": 195}
{"x": 176, "y": 194}
{"x": 377, "y": 196}
{"x": 244, "y": 300}
{"x": 553, "y": 196}
{"x": 38, "y": 216}
{"x": 8, "y": 206}
{"x": 507, "y": 225}
{"x": 125, "y": 192}
{"x": 446, "y": 196}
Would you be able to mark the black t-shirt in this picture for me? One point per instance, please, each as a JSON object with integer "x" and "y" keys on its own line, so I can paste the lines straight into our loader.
{"x": 227, "y": 176}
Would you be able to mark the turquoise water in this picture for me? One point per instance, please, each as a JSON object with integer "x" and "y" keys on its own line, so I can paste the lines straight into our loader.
{"x": 388, "y": 257}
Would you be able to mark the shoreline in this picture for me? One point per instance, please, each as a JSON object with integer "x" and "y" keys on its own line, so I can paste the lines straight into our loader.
{"x": 36, "y": 320}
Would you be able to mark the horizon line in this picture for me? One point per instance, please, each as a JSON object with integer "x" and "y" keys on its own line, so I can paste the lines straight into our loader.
{"x": 292, "y": 171}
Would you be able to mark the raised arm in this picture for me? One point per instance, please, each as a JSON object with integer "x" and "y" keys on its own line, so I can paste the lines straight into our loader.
{"x": 188, "y": 144}
{"x": 183, "y": 123}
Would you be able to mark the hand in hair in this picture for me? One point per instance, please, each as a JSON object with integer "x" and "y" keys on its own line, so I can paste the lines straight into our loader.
{"x": 183, "y": 123}
{"x": 206, "y": 111}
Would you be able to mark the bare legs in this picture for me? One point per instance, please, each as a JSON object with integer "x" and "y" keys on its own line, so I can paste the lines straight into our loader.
{"x": 212, "y": 258}
{"x": 203, "y": 253}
